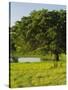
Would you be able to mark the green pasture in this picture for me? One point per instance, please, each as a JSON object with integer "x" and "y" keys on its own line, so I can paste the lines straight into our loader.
{"x": 46, "y": 73}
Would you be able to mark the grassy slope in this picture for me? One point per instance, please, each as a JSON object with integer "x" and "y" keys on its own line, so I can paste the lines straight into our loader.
{"x": 37, "y": 74}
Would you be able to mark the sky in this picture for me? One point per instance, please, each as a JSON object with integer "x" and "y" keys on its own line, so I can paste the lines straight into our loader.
{"x": 18, "y": 10}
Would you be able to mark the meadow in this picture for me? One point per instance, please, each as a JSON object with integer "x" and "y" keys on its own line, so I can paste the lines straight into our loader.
{"x": 48, "y": 73}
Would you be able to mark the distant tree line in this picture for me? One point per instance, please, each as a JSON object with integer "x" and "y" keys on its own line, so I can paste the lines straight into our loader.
{"x": 42, "y": 29}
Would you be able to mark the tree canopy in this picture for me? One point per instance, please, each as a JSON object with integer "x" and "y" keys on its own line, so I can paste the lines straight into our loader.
{"x": 42, "y": 29}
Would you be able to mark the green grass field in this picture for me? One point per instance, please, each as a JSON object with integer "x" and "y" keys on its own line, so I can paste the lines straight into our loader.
{"x": 37, "y": 74}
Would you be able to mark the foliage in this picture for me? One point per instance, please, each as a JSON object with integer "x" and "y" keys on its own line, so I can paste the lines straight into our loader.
{"x": 41, "y": 29}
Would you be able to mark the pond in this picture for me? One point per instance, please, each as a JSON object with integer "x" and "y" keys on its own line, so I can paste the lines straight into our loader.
{"x": 26, "y": 59}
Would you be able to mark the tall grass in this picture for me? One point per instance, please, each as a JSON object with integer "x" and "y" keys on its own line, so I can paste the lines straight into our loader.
{"x": 37, "y": 74}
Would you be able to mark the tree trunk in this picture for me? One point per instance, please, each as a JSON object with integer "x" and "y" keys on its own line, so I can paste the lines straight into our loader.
{"x": 57, "y": 57}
